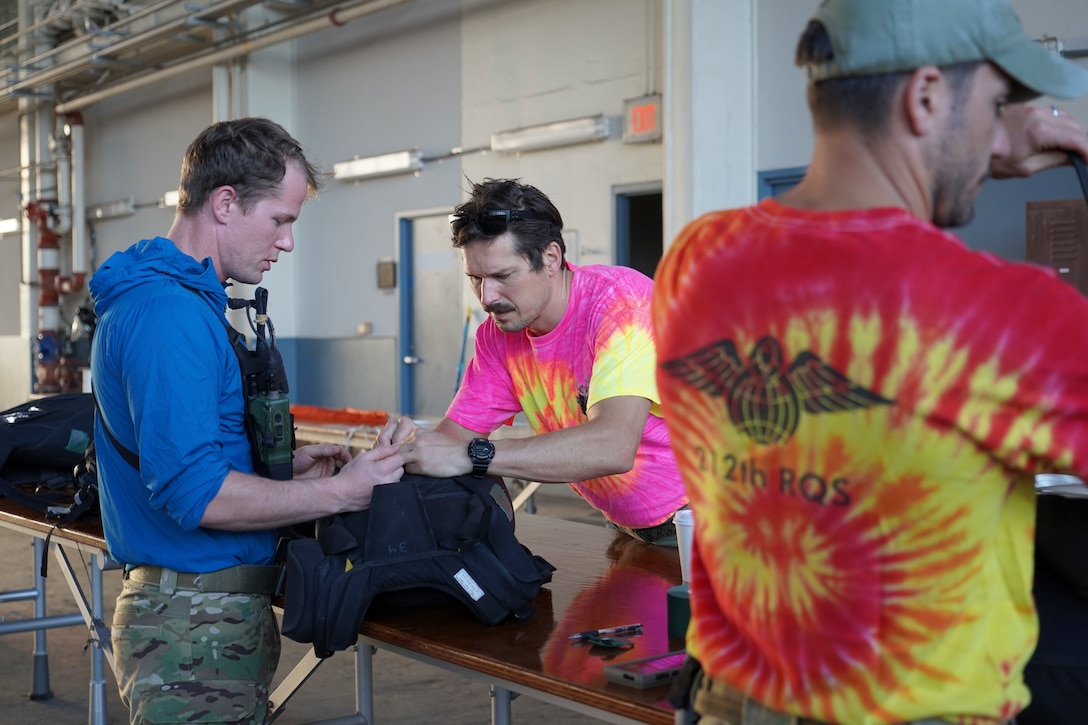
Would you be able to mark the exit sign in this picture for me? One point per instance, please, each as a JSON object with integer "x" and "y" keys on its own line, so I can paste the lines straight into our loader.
{"x": 642, "y": 119}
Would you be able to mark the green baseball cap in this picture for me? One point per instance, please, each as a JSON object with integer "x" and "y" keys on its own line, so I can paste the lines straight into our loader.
{"x": 871, "y": 37}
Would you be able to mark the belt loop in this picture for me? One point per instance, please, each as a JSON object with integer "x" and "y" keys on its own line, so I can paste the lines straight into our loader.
{"x": 168, "y": 581}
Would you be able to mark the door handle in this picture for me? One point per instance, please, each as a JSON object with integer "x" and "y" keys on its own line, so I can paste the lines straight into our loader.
{"x": 411, "y": 360}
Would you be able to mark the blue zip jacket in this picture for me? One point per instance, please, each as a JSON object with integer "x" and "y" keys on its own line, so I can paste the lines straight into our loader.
{"x": 168, "y": 384}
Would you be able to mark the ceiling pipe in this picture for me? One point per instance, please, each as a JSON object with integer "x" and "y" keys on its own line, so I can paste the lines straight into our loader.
{"x": 46, "y": 21}
{"x": 337, "y": 17}
{"x": 68, "y": 68}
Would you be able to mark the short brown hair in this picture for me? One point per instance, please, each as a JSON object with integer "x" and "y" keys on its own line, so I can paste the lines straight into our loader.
{"x": 248, "y": 154}
{"x": 531, "y": 236}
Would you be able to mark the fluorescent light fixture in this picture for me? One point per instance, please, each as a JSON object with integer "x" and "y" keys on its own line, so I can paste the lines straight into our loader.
{"x": 112, "y": 209}
{"x": 560, "y": 133}
{"x": 369, "y": 167}
{"x": 10, "y": 226}
{"x": 170, "y": 199}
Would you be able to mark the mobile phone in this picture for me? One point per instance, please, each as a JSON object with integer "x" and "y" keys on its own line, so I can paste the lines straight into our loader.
{"x": 646, "y": 672}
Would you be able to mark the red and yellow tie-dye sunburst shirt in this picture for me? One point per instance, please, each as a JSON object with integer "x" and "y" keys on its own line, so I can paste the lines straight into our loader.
{"x": 602, "y": 348}
{"x": 857, "y": 403}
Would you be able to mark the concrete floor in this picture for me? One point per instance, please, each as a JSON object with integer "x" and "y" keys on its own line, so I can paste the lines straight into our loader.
{"x": 405, "y": 691}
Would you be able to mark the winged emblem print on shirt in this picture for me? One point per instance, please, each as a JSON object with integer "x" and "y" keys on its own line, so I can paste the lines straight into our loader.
{"x": 764, "y": 397}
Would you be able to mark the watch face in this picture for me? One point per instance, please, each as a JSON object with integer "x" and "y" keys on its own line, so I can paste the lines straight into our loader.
{"x": 481, "y": 450}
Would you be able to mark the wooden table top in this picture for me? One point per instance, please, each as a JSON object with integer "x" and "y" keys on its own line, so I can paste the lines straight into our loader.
{"x": 87, "y": 531}
{"x": 602, "y": 579}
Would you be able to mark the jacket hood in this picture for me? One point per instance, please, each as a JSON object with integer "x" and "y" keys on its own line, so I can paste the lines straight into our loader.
{"x": 143, "y": 267}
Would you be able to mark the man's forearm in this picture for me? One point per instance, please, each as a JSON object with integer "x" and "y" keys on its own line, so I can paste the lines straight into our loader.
{"x": 604, "y": 445}
{"x": 246, "y": 502}
{"x": 573, "y": 454}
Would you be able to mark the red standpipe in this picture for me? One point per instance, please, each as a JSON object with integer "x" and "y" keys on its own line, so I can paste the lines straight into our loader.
{"x": 47, "y": 345}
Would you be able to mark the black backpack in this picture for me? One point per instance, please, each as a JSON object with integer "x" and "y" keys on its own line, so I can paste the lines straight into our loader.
{"x": 423, "y": 541}
{"x": 47, "y": 459}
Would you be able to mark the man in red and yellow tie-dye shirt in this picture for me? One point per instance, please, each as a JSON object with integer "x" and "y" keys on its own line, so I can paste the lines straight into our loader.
{"x": 858, "y": 402}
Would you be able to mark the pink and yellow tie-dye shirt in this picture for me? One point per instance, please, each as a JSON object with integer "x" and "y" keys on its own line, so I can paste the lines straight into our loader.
{"x": 602, "y": 348}
{"x": 858, "y": 403}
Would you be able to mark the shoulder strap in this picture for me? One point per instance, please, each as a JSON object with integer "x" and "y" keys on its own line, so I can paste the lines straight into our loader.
{"x": 248, "y": 360}
{"x": 133, "y": 459}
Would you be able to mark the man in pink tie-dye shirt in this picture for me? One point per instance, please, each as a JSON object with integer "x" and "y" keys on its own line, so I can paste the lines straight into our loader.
{"x": 570, "y": 347}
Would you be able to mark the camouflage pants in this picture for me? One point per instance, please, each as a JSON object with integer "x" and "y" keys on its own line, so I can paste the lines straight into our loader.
{"x": 193, "y": 657}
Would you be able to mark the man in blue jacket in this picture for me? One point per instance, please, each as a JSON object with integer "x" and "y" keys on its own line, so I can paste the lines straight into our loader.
{"x": 194, "y": 635}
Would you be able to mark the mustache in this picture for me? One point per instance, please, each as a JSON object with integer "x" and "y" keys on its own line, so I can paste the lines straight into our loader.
{"x": 498, "y": 308}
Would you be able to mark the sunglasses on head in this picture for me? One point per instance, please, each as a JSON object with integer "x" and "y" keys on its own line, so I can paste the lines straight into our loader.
{"x": 492, "y": 221}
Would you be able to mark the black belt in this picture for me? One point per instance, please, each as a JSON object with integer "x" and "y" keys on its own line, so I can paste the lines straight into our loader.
{"x": 244, "y": 578}
{"x": 649, "y": 534}
{"x": 653, "y": 533}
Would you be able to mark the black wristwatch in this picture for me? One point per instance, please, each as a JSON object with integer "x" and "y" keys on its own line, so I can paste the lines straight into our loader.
{"x": 480, "y": 452}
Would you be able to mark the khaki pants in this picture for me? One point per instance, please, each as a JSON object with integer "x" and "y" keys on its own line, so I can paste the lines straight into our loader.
{"x": 715, "y": 703}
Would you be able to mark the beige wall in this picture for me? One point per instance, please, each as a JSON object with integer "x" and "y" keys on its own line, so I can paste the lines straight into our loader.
{"x": 431, "y": 79}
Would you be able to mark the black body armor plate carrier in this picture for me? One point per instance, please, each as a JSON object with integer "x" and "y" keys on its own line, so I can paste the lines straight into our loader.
{"x": 422, "y": 540}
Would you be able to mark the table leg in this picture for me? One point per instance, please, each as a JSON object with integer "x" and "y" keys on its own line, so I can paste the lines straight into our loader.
{"x": 500, "y": 706}
{"x": 40, "y": 687}
{"x": 102, "y": 646}
{"x": 364, "y": 688}
{"x": 525, "y": 498}
{"x": 92, "y": 612}
{"x": 364, "y": 681}
{"x": 295, "y": 679}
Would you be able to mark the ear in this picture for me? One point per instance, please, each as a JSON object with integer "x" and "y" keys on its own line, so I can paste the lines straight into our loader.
{"x": 925, "y": 99}
{"x": 553, "y": 258}
{"x": 224, "y": 202}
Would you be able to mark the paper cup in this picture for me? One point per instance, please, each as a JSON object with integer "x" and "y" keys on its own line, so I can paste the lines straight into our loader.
{"x": 685, "y": 532}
